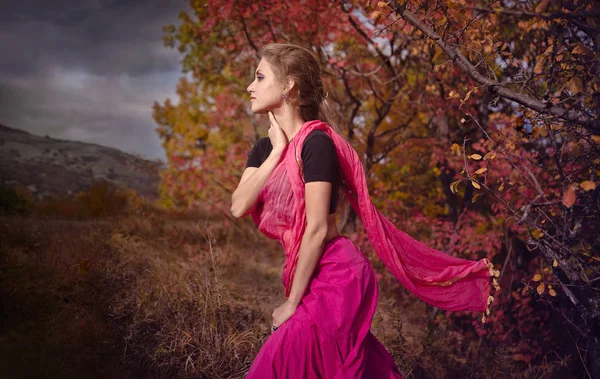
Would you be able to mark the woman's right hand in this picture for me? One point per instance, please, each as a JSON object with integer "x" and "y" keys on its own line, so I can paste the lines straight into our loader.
{"x": 277, "y": 136}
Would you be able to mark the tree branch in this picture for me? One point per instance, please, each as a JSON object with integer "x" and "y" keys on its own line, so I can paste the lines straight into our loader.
{"x": 454, "y": 53}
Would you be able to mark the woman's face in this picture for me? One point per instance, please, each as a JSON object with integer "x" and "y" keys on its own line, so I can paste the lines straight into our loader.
{"x": 265, "y": 91}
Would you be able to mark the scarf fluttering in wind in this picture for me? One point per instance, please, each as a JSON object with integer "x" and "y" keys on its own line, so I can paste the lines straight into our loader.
{"x": 447, "y": 282}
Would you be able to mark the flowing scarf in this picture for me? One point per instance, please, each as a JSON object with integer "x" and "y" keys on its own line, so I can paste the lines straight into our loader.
{"x": 444, "y": 281}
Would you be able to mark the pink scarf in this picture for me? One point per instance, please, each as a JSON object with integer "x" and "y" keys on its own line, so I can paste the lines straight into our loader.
{"x": 437, "y": 278}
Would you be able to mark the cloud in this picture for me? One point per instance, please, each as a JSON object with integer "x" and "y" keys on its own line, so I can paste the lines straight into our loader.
{"x": 88, "y": 70}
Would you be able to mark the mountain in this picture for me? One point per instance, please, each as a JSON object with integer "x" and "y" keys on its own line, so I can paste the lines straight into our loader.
{"x": 49, "y": 166}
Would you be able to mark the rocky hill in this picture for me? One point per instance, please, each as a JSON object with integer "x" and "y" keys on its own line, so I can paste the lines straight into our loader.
{"x": 49, "y": 166}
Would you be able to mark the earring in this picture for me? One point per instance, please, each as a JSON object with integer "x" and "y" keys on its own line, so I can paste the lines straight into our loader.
{"x": 283, "y": 96}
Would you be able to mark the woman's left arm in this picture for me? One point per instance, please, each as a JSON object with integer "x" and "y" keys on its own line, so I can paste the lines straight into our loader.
{"x": 317, "y": 208}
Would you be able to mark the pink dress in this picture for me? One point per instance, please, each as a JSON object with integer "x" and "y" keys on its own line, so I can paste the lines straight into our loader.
{"x": 329, "y": 335}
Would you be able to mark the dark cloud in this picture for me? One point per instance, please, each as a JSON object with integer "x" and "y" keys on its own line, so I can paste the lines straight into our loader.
{"x": 88, "y": 70}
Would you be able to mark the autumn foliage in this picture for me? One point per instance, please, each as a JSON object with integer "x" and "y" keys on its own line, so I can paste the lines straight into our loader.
{"x": 478, "y": 127}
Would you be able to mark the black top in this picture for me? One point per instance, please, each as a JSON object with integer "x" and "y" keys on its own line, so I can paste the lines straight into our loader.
{"x": 318, "y": 157}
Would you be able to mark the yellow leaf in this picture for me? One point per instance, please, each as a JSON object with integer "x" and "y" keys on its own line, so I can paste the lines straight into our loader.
{"x": 490, "y": 155}
{"x": 569, "y": 197}
{"x": 537, "y": 234}
{"x": 454, "y": 186}
{"x": 587, "y": 185}
{"x": 552, "y": 292}
{"x": 438, "y": 52}
{"x": 481, "y": 170}
{"x": 455, "y": 147}
{"x": 375, "y": 14}
{"x": 540, "y": 289}
{"x": 468, "y": 95}
{"x": 596, "y": 140}
{"x": 537, "y": 278}
{"x": 475, "y": 197}
{"x": 555, "y": 263}
{"x": 381, "y": 4}
{"x": 475, "y": 184}
{"x": 475, "y": 156}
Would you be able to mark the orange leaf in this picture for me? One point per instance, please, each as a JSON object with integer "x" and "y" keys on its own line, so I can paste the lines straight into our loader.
{"x": 552, "y": 292}
{"x": 569, "y": 197}
{"x": 475, "y": 156}
{"x": 375, "y": 14}
{"x": 539, "y": 66}
{"x": 537, "y": 278}
{"x": 541, "y": 288}
{"x": 581, "y": 49}
{"x": 542, "y": 6}
{"x": 574, "y": 85}
{"x": 481, "y": 170}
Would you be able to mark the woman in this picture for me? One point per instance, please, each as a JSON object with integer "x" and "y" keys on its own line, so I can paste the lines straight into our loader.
{"x": 290, "y": 187}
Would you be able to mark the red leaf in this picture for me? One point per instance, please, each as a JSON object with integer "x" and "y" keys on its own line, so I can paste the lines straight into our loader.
{"x": 569, "y": 198}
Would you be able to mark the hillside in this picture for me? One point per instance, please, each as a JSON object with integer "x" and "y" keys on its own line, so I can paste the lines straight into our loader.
{"x": 49, "y": 166}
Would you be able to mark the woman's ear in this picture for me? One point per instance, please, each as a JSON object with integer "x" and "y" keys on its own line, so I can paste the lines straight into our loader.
{"x": 290, "y": 85}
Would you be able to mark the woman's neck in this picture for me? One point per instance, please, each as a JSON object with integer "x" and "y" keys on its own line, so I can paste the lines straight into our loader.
{"x": 289, "y": 120}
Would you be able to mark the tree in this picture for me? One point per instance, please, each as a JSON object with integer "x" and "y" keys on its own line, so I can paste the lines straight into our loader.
{"x": 477, "y": 135}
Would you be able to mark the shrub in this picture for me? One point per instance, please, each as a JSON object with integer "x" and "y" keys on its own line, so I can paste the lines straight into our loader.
{"x": 101, "y": 200}
{"x": 15, "y": 201}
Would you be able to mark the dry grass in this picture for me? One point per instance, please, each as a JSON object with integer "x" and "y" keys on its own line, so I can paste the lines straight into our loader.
{"x": 143, "y": 294}
{"x": 162, "y": 294}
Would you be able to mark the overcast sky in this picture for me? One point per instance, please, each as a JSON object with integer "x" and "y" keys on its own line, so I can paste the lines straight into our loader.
{"x": 88, "y": 70}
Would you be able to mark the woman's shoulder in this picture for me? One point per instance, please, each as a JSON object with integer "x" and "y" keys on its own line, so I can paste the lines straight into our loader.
{"x": 317, "y": 137}
{"x": 315, "y": 133}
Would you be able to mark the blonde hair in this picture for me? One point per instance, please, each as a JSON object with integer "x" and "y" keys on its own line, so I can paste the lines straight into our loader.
{"x": 301, "y": 65}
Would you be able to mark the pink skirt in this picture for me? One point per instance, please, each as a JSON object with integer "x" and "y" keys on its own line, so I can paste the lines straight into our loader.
{"x": 329, "y": 335}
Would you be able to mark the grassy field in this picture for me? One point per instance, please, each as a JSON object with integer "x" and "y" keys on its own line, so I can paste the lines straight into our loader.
{"x": 162, "y": 294}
